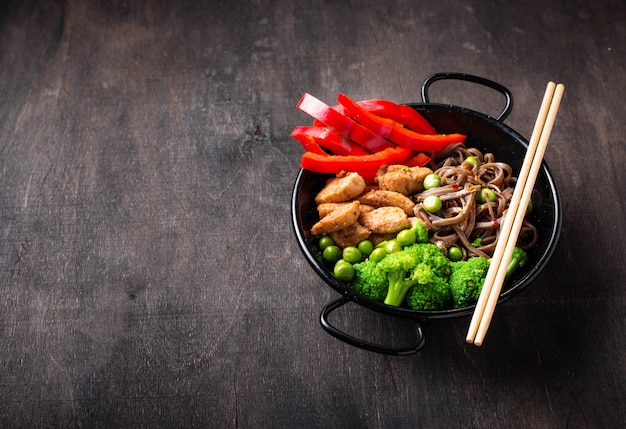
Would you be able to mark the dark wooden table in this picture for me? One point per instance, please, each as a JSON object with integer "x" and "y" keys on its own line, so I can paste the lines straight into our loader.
{"x": 150, "y": 275}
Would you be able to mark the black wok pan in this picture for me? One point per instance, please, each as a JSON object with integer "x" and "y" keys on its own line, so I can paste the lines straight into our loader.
{"x": 483, "y": 132}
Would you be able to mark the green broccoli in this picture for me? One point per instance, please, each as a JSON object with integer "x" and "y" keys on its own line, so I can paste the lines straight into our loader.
{"x": 398, "y": 266}
{"x": 466, "y": 280}
{"x": 518, "y": 259}
{"x": 422, "y": 273}
{"x": 409, "y": 266}
{"x": 431, "y": 292}
{"x": 370, "y": 280}
{"x": 421, "y": 231}
{"x": 432, "y": 256}
{"x": 423, "y": 278}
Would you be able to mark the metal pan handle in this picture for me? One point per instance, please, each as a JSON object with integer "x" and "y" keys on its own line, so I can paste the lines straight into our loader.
{"x": 397, "y": 351}
{"x": 475, "y": 79}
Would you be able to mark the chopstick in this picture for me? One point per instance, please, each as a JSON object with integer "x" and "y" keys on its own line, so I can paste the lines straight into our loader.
{"x": 514, "y": 218}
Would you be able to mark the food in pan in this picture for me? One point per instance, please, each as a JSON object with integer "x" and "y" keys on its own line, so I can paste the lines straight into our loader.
{"x": 414, "y": 220}
{"x": 396, "y": 249}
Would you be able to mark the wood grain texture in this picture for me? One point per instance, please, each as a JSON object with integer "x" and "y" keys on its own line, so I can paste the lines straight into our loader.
{"x": 149, "y": 273}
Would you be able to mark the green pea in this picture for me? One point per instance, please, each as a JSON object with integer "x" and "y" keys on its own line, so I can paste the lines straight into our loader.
{"x": 432, "y": 181}
{"x": 331, "y": 253}
{"x": 343, "y": 270}
{"x": 366, "y": 247}
{"x": 325, "y": 241}
{"x": 455, "y": 254}
{"x": 472, "y": 159}
{"x": 378, "y": 254}
{"x": 352, "y": 254}
{"x": 406, "y": 237}
{"x": 392, "y": 246}
{"x": 432, "y": 203}
{"x": 486, "y": 194}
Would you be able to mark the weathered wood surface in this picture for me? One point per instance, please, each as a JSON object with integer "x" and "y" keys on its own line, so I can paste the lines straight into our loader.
{"x": 150, "y": 276}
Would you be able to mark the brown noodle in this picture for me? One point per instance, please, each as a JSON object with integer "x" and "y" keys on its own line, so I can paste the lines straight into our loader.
{"x": 463, "y": 219}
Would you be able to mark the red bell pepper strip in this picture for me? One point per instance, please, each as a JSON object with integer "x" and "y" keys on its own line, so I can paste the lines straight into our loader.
{"x": 396, "y": 133}
{"x": 310, "y": 145}
{"x": 419, "y": 160}
{"x": 402, "y": 114}
{"x": 343, "y": 124}
{"x": 366, "y": 165}
{"x": 329, "y": 139}
{"x": 405, "y": 115}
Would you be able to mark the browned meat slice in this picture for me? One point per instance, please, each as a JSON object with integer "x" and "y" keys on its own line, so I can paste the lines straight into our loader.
{"x": 382, "y": 198}
{"x": 325, "y": 209}
{"x": 366, "y": 208}
{"x": 351, "y": 235}
{"x": 402, "y": 179}
{"x": 343, "y": 215}
{"x": 344, "y": 187}
{"x": 385, "y": 220}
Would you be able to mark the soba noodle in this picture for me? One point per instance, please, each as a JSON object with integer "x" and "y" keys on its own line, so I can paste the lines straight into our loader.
{"x": 463, "y": 221}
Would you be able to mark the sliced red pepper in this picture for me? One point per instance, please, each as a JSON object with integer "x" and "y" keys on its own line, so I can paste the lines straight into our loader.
{"x": 309, "y": 144}
{"x": 343, "y": 124}
{"x": 405, "y": 115}
{"x": 419, "y": 160}
{"x": 329, "y": 139}
{"x": 402, "y": 114}
{"x": 395, "y": 132}
{"x": 366, "y": 165}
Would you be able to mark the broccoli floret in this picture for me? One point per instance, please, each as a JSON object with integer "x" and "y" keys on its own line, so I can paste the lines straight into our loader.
{"x": 421, "y": 231}
{"x": 370, "y": 280}
{"x": 518, "y": 259}
{"x": 390, "y": 279}
{"x": 466, "y": 280}
{"x": 434, "y": 295}
{"x": 422, "y": 273}
{"x": 432, "y": 256}
{"x": 398, "y": 266}
{"x": 416, "y": 263}
{"x": 431, "y": 292}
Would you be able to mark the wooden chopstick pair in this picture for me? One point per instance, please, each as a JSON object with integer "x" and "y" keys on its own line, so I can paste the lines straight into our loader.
{"x": 515, "y": 215}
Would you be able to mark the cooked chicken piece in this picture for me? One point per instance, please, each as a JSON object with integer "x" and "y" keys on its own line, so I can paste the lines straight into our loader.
{"x": 344, "y": 214}
{"x": 385, "y": 220}
{"x": 325, "y": 209}
{"x": 366, "y": 208}
{"x": 382, "y": 198}
{"x": 342, "y": 188}
{"x": 402, "y": 179}
{"x": 351, "y": 235}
